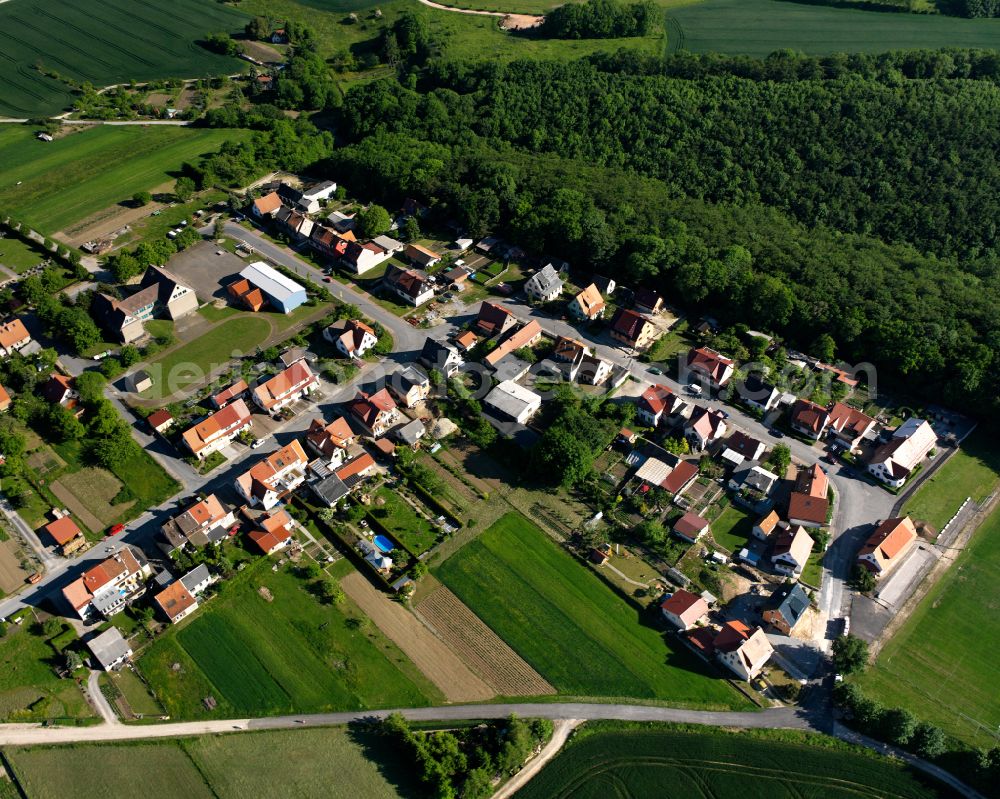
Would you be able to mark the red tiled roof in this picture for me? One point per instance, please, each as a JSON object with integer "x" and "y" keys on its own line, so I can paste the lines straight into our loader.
{"x": 809, "y": 415}
{"x": 806, "y": 508}
{"x": 690, "y": 524}
{"x": 681, "y": 602}
{"x": 629, "y": 324}
{"x": 710, "y": 361}
{"x": 679, "y": 476}
{"x": 63, "y": 530}
{"x": 175, "y": 599}
{"x": 890, "y": 537}
{"x": 655, "y": 398}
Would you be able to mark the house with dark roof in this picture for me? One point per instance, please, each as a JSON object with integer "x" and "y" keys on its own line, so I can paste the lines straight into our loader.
{"x": 895, "y": 461}
{"x": 757, "y": 393}
{"x": 410, "y": 286}
{"x": 690, "y": 527}
{"x": 809, "y": 419}
{"x": 786, "y": 607}
{"x": 421, "y": 256}
{"x": 441, "y": 356}
{"x": 647, "y": 301}
{"x": 740, "y": 447}
{"x": 544, "y": 286}
{"x": 160, "y": 293}
{"x": 494, "y": 320}
{"x": 409, "y": 385}
{"x": 633, "y": 329}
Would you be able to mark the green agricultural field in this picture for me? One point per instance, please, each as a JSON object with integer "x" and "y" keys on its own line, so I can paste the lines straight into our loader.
{"x": 572, "y": 628}
{"x": 325, "y": 764}
{"x": 18, "y": 256}
{"x": 971, "y": 472}
{"x": 70, "y": 771}
{"x": 259, "y": 657}
{"x": 190, "y": 364}
{"x": 331, "y": 763}
{"x": 941, "y": 664}
{"x": 68, "y": 180}
{"x": 103, "y": 42}
{"x": 670, "y": 762}
{"x": 29, "y": 689}
{"x": 759, "y": 27}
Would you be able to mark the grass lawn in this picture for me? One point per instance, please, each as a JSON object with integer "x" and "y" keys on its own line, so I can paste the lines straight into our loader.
{"x": 331, "y": 763}
{"x": 812, "y": 574}
{"x": 67, "y": 771}
{"x": 759, "y": 27}
{"x": 565, "y": 622}
{"x": 29, "y": 689}
{"x": 411, "y": 530}
{"x": 732, "y": 529}
{"x": 325, "y": 764}
{"x": 191, "y": 363}
{"x": 941, "y": 663}
{"x": 971, "y": 472}
{"x": 288, "y": 655}
{"x": 104, "y": 41}
{"x": 73, "y": 177}
{"x": 19, "y": 256}
{"x": 135, "y": 693}
{"x": 618, "y": 759}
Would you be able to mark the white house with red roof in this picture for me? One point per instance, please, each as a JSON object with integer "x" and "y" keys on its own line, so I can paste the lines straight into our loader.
{"x": 894, "y": 461}
{"x": 218, "y": 430}
{"x": 684, "y": 609}
{"x": 376, "y": 412}
{"x": 691, "y": 527}
{"x": 809, "y": 419}
{"x": 351, "y": 337}
{"x": 742, "y": 650}
{"x": 714, "y": 365}
{"x": 705, "y": 427}
{"x": 285, "y": 387}
{"x": 887, "y": 545}
{"x": 330, "y": 441}
{"x": 274, "y": 477}
{"x": 108, "y": 587}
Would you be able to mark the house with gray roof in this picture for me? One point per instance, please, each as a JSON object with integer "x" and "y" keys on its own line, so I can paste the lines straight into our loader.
{"x": 110, "y": 649}
{"x": 786, "y": 608}
{"x": 545, "y": 285}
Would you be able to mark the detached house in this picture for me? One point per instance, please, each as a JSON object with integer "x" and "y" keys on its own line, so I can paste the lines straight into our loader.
{"x": 524, "y": 337}
{"x": 110, "y": 585}
{"x": 633, "y": 329}
{"x": 713, "y": 365}
{"x": 285, "y": 387}
{"x": 588, "y": 304}
{"x": 849, "y": 426}
{"x": 766, "y": 526}
{"x": 809, "y": 419}
{"x": 176, "y": 602}
{"x": 441, "y": 356}
{"x": 545, "y": 285}
{"x": 653, "y": 405}
{"x": 360, "y": 258}
{"x": 330, "y": 441}
{"x": 266, "y": 206}
{"x": 218, "y": 430}
{"x": 742, "y": 650}
{"x": 205, "y": 522}
{"x": 376, "y": 412}
{"x": 740, "y": 447}
{"x": 593, "y": 370}
{"x": 274, "y": 477}
{"x": 409, "y": 286}
{"x": 887, "y": 545}
{"x": 705, "y": 427}
{"x": 791, "y": 550}
{"x": 647, "y": 301}
{"x": 757, "y": 393}
{"x": 68, "y": 537}
{"x": 234, "y": 392}
{"x": 410, "y": 386}
{"x": 690, "y": 527}
{"x": 13, "y": 336}
{"x": 494, "y": 320}
{"x": 894, "y": 461}
{"x": 421, "y": 256}
{"x": 684, "y": 609}
{"x": 786, "y": 607}
{"x": 274, "y": 532}
{"x": 58, "y": 390}
{"x": 352, "y": 337}
{"x": 808, "y": 504}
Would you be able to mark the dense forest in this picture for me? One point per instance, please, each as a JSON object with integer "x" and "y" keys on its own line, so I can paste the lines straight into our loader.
{"x": 600, "y": 19}
{"x": 849, "y": 195}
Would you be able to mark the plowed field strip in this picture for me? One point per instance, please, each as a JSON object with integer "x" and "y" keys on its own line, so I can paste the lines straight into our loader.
{"x": 428, "y": 653}
{"x": 488, "y": 655}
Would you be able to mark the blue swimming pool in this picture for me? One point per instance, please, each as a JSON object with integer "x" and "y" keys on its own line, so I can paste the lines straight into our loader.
{"x": 383, "y": 543}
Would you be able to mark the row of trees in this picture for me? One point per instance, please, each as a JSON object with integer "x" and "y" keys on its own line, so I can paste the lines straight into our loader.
{"x": 452, "y": 763}
{"x": 601, "y": 19}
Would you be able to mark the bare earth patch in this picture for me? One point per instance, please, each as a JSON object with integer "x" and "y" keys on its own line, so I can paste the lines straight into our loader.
{"x": 438, "y": 663}
{"x": 489, "y": 656}
{"x": 88, "y": 494}
{"x": 12, "y": 576}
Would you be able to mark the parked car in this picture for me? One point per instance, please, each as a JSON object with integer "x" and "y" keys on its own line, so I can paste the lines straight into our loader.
{"x": 655, "y": 370}
{"x": 35, "y": 578}
{"x": 693, "y": 390}
{"x": 116, "y": 529}
{"x": 774, "y": 431}
{"x": 258, "y": 443}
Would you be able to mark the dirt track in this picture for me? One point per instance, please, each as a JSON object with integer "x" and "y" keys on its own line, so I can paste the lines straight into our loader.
{"x": 440, "y": 665}
{"x": 512, "y": 22}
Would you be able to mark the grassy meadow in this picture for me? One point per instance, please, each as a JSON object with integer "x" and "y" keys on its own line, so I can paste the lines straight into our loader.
{"x": 941, "y": 664}
{"x": 973, "y": 471}
{"x": 574, "y": 630}
{"x": 77, "y": 175}
{"x": 103, "y": 42}
{"x": 310, "y": 763}
{"x": 290, "y": 654}
{"x": 630, "y": 760}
